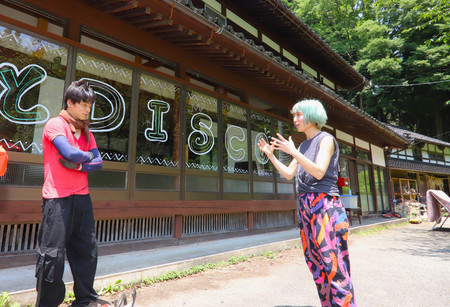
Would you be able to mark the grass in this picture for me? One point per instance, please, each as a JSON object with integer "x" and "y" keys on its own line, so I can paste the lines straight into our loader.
{"x": 5, "y": 300}
{"x": 378, "y": 228}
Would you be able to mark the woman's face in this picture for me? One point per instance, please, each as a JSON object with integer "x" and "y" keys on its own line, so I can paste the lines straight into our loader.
{"x": 299, "y": 123}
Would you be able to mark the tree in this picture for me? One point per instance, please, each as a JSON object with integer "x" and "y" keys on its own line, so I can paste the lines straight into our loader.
{"x": 401, "y": 46}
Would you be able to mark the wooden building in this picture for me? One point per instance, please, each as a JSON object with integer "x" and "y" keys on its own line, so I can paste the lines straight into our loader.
{"x": 185, "y": 89}
{"x": 423, "y": 165}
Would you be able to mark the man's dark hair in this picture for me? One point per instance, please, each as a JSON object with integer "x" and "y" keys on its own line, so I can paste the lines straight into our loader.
{"x": 79, "y": 91}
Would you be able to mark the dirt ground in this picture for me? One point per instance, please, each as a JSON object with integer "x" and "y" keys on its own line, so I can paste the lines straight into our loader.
{"x": 212, "y": 280}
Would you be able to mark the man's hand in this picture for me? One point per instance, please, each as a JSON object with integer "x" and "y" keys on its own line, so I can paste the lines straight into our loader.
{"x": 69, "y": 165}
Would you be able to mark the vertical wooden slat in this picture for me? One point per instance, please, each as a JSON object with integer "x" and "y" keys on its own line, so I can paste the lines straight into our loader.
{"x": 2, "y": 227}
{"x": 8, "y": 229}
{"x": 20, "y": 238}
{"x": 33, "y": 237}
{"x": 108, "y": 230}
{"x": 27, "y": 236}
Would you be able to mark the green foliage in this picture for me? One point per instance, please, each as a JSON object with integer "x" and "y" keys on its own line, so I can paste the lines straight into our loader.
{"x": 5, "y": 300}
{"x": 70, "y": 297}
{"x": 112, "y": 288}
{"x": 376, "y": 229}
{"x": 269, "y": 255}
{"x": 401, "y": 46}
{"x": 436, "y": 19}
{"x": 118, "y": 287}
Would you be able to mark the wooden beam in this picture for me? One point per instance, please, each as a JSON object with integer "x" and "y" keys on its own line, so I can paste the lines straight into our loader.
{"x": 139, "y": 11}
{"x": 122, "y": 6}
{"x": 156, "y": 24}
{"x": 143, "y": 18}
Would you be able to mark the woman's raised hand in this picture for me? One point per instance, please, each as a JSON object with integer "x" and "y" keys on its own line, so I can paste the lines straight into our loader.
{"x": 265, "y": 147}
{"x": 282, "y": 144}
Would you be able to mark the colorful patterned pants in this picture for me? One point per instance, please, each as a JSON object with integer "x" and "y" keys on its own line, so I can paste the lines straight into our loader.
{"x": 324, "y": 231}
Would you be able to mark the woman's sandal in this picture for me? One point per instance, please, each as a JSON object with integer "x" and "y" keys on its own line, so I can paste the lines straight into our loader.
{"x": 397, "y": 215}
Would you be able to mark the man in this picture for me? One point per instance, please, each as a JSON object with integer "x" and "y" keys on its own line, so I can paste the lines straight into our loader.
{"x": 67, "y": 226}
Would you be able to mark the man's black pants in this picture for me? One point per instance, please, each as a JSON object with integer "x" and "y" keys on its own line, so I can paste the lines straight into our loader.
{"x": 67, "y": 226}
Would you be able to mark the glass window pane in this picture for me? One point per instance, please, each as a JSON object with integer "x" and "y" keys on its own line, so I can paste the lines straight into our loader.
{"x": 285, "y": 188}
{"x": 261, "y": 128}
{"x": 108, "y": 180}
{"x": 201, "y": 184}
{"x": 201, "y": 132}
{"x": 384, "y": 189}
{"x": 110, "y": 118}
{"x": 158, "y": 131}
{"x": 23, "y": 174}
{"x": 156, "y": 182}
{"x": 285, "y": 130}
{"x": 362, "y": 155}
{"x": 345, "y": 149}
{"x": 417, "y": 153}
{"x": 263, "y": 187}
{"x": 32, "y": 74}
{"x": 378, "y": 188}
{"x": 235, "y": 186}
{"x": 365, "y": 191}
{"x": 235, "y": 153}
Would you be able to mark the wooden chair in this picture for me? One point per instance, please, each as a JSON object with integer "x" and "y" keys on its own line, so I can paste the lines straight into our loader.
{"x": 351, "y": 211}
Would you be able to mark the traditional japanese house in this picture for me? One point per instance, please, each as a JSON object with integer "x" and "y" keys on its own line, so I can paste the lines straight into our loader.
{"x": 423, "y": 165}
{"x": 185, "y": 90}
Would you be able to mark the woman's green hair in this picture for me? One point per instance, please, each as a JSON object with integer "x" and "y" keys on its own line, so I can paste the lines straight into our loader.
{"x": 313, "y": 112}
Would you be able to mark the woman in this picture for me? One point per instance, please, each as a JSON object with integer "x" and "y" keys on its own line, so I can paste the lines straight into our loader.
{"x": 322, "y": 219}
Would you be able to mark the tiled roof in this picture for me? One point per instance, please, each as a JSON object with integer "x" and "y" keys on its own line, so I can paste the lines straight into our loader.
{"x": 418, "y": 166}
{"x": 416, "y": 137}
{"x": 197, "y": 31}
{"x": 277, "y": 16}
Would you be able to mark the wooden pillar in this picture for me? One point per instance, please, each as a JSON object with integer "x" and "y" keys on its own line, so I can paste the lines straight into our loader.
{"x": 178, "y": 231}
{"x": 295, "y": 215}
{"x": 73, "y": 30}
{"x": 388, "y": 178}
{"x": 181, "y": 71}
{"x": 42, "y": 24}
{"x": 250, "y": 220}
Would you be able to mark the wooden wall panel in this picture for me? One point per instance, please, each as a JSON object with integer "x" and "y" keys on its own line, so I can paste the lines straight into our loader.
{"x": 30, "y": 211}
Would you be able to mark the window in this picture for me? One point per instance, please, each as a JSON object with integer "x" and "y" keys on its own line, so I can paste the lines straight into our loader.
{"x": 365, "y": 190}
{"x": 235, "y": 152}
{"x": 261, "y": 128}
{"x": 201, "y": 132}
{"x": 262, "y": 169}
{"x": 285, "y": 188}
{"x": 345, "y": 149}
{"x": 344, "y": 172}
{"x": 32, "y": 75}
{"x": 436, "y": 157}
{"x": 285, "y": 129}
{"x": 417, "y": 153}
{"x": 158, "y": 128}
{"x": 110, "y": 117}
{"x": 362, "y": 155}
{"x": 381, "y": 186}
